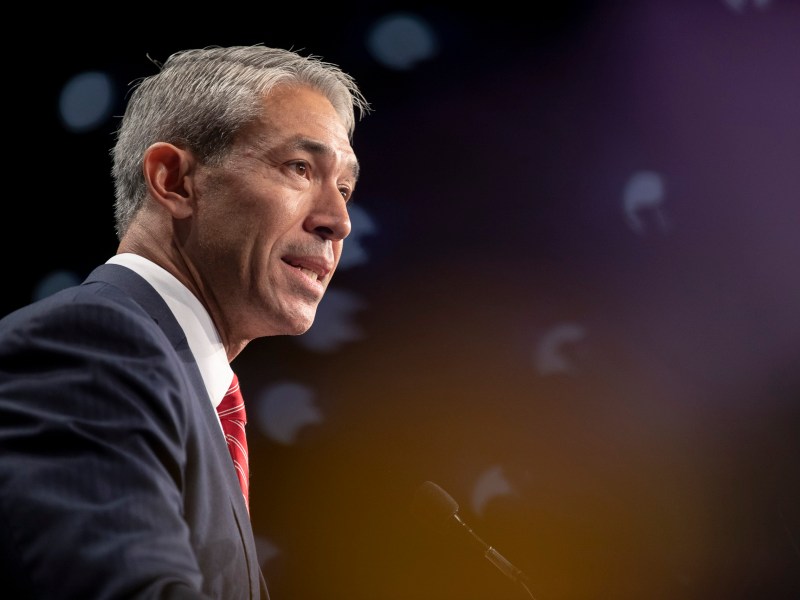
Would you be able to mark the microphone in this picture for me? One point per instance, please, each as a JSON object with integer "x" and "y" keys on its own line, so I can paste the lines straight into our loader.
{"x": 431, "y": 504}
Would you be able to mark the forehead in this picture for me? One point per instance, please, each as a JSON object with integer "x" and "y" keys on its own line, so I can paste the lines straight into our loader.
{"x": 293, "y": 113}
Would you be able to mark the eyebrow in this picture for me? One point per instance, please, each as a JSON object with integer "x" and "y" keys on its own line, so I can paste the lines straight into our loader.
{"x": 320, "y": 149}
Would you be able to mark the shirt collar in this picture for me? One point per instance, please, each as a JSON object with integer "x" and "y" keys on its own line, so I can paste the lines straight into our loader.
{"x": 204, "y": 340}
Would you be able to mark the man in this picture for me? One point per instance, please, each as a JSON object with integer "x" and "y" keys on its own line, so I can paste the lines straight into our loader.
{"x": 232, "y": 168}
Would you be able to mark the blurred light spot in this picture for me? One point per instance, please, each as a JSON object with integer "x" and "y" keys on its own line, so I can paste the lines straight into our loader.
{"x": 266, "y": 550}
{"x": 643, "y": 195}
{"x": 741, "y": 5}
{"x": 333, "y": 325}
{"x": 552, "y": 351}
{"x": 283, "y": 409}
{"x": 53, "y": 282}
{"x": 86, "y": 101}
{"x": 491, "y": 484}
{"x": 401, "y": 40}
{"x": 353, "y": 251}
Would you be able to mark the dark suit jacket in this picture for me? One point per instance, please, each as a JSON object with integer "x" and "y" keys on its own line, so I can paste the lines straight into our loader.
{"x": 115, "y": 480}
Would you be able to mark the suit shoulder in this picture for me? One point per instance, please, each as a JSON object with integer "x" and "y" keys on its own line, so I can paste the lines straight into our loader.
{"x": 93, "y": 314}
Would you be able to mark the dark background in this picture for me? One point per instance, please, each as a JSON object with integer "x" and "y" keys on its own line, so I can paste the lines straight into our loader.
{"x": 611, "y": 394}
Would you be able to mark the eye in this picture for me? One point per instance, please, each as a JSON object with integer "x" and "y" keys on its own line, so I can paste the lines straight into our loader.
{"x": 300, "y": 168}
{"x": 346, "y": 193}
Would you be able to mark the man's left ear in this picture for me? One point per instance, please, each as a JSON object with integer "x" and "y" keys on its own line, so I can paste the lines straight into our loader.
{"x": 167, "y": 172}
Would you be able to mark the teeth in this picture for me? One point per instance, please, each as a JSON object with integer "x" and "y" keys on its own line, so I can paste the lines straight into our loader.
{"x": 308, "y": 272}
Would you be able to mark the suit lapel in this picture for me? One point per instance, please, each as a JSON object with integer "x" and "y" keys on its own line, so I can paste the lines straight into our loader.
{"x": 141, "y": 292}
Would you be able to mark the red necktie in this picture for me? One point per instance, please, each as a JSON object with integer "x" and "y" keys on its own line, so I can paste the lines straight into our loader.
{"x": 233, "y": 418}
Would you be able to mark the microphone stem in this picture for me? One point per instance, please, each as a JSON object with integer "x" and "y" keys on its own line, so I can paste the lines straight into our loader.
{"x": 497, "y": 559}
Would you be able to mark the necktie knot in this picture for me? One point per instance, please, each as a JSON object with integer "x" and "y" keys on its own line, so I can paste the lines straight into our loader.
{"x": 232, "y": 416}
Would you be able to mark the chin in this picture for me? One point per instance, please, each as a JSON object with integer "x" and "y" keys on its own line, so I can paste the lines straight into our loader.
{"x": 291, "y": 320}
{"x": 298, "y": 326}
{"x": 298, "y": 331}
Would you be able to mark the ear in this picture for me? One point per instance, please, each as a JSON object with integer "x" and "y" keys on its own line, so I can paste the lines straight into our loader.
{"x": 167, "y": 171}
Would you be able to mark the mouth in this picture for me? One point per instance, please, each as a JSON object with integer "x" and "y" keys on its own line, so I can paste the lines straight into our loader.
{"x": 307, "y": 272}
{"x": 313, "y": 269}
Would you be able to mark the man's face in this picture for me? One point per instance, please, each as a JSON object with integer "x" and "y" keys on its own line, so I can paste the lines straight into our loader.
{"x": 270, "y": 222}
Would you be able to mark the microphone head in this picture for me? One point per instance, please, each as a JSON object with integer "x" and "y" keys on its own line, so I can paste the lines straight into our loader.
{"x": 432, "y": 504}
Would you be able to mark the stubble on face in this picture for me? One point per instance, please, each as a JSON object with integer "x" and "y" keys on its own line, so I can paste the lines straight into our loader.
{"x": 267, "y": 265}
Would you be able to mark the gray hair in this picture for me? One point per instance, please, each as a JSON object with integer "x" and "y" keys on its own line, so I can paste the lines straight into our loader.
{"x": 200, "y": 99}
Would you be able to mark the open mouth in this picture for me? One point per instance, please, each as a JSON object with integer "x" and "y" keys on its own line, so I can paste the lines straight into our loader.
{"x": 310, "y": 270}
{"x": 307, "y": 272}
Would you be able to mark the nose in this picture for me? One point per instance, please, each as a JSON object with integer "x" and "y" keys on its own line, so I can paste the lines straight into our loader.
{"x": 329, "y": 218}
